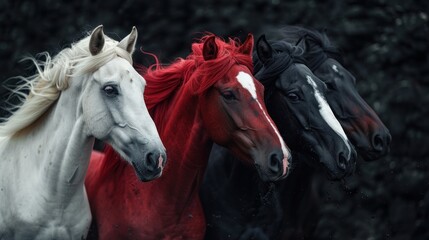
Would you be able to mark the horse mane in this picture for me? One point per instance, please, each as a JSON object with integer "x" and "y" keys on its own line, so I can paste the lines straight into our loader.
{"x": 284, "y": 55}
{"x": 163, "y": 82}
{"x": 52, "y": 77}
{"x": 319, "y": 48}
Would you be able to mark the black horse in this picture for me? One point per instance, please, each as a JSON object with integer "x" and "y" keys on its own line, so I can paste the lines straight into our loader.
{"x": 362, "y": 125}
{"x": 240, "y": 206}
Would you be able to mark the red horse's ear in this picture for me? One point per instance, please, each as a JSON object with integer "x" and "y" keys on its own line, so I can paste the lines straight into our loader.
{"x": 210, "y": 48}
{"x": 247, "y": 46}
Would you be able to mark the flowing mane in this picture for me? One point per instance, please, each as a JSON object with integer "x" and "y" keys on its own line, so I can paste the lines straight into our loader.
{"x": 284, "y": 55}
{"x": 211, "y": 96}
{"x": 162, "y": 82}
{"x": 52, "y": 77}
{"x": 320, "y": 47}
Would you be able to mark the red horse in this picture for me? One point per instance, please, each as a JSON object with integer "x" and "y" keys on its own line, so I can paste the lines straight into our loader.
{"x": 211, "y": 96}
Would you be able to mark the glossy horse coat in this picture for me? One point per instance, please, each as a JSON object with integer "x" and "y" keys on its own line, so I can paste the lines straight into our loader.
{"x": 87, "y": 91}
{"x": 238, "y": 205}
{"x": 211, "y": 96}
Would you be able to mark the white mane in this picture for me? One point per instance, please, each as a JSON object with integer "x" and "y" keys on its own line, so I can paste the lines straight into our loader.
{"x": 53, "y": 76}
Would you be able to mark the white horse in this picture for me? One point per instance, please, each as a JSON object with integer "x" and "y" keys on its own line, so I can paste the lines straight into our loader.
{"x": 87, "y": 91}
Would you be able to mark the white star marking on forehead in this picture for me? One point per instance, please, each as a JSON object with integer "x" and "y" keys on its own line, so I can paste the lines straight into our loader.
{"x": 335, "y": 68}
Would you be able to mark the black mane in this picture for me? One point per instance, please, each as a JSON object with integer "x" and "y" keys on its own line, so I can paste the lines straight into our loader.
{"x": 284, "y": 55}
{"x": 317, "y": 45}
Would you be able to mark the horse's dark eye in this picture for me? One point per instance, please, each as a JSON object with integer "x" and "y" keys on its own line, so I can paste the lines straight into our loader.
{"x": 111, "y": 90}
{"x": 228, "y": 95}
{"x": 331, "y": 85}
{"x": 292, "y": 96}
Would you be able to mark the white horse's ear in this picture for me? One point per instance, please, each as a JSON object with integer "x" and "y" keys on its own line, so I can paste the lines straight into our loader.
{"x": 96, "y": 41}
{"x": 129, "y": 42}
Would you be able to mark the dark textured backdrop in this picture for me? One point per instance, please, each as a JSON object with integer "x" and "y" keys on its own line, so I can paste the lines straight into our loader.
{"x": 384, "y": 43}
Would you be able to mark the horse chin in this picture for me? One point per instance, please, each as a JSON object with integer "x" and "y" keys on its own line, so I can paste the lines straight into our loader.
{"x": 336, "y": 174}
{"x": 369, "y": 155}
{"x": 146, "y": 178}
{"x": 333, "y": 173}
{"x": 145, "y": 175}
{"x": 265, "y": 177}
{"x": 321, "y": 159}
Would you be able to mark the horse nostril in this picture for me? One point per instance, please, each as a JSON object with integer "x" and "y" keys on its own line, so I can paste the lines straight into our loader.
{"x": 377, "y": 142}
{"x": 275, "y": 163}
{"x": 151, "y": 162}
{"x": 342, "y": 161}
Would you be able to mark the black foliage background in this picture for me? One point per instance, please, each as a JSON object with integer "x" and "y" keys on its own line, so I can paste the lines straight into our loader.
{"x": 384, "y": 43}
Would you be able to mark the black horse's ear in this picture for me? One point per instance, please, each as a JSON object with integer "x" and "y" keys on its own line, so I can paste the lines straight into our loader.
{"x": 210, "y": 48}
{"x": 303, "y": 43}
{"x": 263, "y": 49}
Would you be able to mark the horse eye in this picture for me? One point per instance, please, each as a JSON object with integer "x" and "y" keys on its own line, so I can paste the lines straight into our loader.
{"x": 330, "y": 85}
{"x": 292, "y": 96}
{"x": 111, "y": 90}
{"x": 228, "y": 95}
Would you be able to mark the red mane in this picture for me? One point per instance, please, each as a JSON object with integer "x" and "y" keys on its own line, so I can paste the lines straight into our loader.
{"x": 163, "y": 82}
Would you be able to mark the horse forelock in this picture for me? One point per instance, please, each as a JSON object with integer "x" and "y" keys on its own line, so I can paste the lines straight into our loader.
{"x": 209, "y": 72}
{"x": 284, "y": 55}
{"x": 320, "y": 49}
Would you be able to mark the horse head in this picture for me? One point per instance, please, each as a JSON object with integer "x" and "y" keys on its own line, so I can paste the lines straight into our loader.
{"x": 362, "y": 125}
{"x": 296, "y": 102}
{"x": 365, "y": 129}
{"x": 233, "y": 109}
{"x": 113, "y": 108}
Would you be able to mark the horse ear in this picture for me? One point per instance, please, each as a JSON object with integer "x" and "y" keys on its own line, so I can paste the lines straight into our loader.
{"x": 247, "y": 46}
{"x": 129, "y": 42}
{"x": 303, "y": 43}
{"x": 96, "y": 41}
{"x": 263, "y": 49}
{"x": 210, "y": 48}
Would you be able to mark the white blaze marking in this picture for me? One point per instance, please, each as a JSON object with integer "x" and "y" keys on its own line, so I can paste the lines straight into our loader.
{"x": 327, "y": 113}
{"x": 335, "y": 68}
{"x": 247, "y": 82}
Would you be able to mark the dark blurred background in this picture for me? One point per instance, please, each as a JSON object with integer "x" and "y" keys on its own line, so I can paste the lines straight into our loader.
{"x": 385, "y": 44}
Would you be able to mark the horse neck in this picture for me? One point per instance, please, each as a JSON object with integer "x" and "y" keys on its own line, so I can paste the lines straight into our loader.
{"x": 62, "y": 149}
{"x": 298, "y": 183}
{"x": 188, "y": 146}
{"x": 226, "y": 170}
